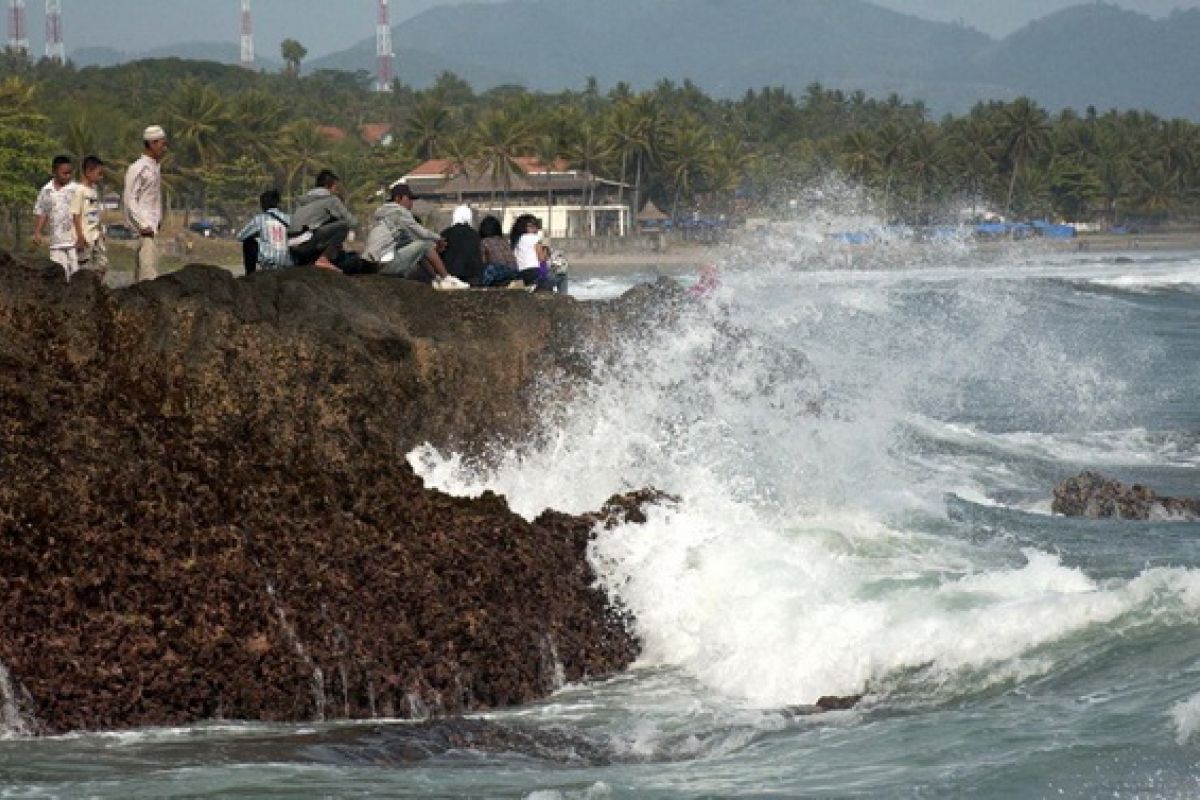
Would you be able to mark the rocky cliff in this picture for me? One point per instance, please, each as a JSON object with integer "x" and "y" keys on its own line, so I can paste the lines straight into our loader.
{"x": 206, "y": 512}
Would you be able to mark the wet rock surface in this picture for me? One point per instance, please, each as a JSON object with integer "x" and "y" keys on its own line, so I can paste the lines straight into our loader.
{"x": 206, "y": 511}
{"x": 1094, "y": 496}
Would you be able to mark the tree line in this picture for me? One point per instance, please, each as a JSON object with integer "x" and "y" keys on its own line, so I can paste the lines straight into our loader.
{"x": 234, "y": 132}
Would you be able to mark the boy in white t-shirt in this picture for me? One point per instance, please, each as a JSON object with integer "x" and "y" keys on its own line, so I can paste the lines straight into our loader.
{"x": 85, "y": 212}
{"x": 53, "y": 210}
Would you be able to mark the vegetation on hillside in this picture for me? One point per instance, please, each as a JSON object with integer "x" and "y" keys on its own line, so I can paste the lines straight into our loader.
{"x": 234, "y": 132}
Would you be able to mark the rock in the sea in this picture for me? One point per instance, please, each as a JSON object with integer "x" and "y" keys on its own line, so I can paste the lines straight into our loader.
{"x": 206, "y": 511}
{"x": 1094, "y": 496}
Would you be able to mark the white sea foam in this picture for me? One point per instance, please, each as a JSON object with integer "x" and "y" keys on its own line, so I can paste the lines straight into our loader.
{"x": 1183, "y": 276}
{"x": 782, "y": 411}
{"x": 1186, "y": 717}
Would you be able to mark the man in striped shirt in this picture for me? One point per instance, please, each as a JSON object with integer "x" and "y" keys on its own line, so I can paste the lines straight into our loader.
{"x": 265, "y": 238}
{"x": 143, "y": 201}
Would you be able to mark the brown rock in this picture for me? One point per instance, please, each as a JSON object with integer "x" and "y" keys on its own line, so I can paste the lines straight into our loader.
{"x": 206, "y": 511}
{"x": 1094, "y": 496}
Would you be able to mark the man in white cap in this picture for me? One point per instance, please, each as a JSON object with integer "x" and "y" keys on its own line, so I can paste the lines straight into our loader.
{"x": 143, "y": 201}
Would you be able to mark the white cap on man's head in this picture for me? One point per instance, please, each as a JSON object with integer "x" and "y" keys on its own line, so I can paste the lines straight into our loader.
{"x": 153, "y": 134}
{"x": 462, "y": 215}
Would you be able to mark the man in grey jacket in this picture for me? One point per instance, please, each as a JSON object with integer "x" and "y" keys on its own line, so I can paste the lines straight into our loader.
{"x": 402, "y": 246}
{"x": 320, "y": 224}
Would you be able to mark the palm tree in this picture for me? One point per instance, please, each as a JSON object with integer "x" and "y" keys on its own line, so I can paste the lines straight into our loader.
{"x": 502, "y": 138}
{"x": 1116, "y": 168}
{"x": 302, "y": 150}
{"x": 729, "y": 161}
{"x": 923, "y": 161}
{"x": 686, "y": 157}
{"x": 292, "y": 53}
{"x": 650, "y": 125}
{"x": 428, "y": 124}
{"x": 859, "y": 156}
{"x": 199, "y": 123}
{"x": 968, "y": 143}
{"x": 462, "y": 150}
{"x": 256, "y": 117}
{"x": 890, "y": 150}
{"x": 1023, "y": 132}
{"x": 81, "y": 138}
{"x": 587, "y": 152}
{"x": 547, "y": 150}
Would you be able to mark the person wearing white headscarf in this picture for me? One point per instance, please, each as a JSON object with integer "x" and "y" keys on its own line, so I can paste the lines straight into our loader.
{"x": 463, "y": 255}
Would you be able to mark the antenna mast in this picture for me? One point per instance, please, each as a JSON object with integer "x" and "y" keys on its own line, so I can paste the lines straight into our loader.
{"x": 247, "y": 36}
{"x": 55, "y": 50}
{"x": 18, "y": 39}
{"x": 383, "y": 49}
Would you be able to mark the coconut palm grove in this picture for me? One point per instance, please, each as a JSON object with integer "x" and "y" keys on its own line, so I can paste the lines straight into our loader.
{"x": 234, "y": 132}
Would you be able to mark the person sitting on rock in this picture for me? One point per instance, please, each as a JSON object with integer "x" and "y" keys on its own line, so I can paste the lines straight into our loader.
{"x": 402, "y": 246}
{"x": 320, "y": 225}
{"x": 264, "y": 239}
{"x": 463, "y": 255}
{"x": 499, "y": 263}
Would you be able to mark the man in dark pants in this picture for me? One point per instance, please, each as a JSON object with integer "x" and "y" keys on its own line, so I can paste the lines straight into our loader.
{"x": 320, "y": 225}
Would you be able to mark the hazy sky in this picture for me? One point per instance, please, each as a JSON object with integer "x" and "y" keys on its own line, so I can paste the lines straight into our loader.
{"x": 324, "y": 26}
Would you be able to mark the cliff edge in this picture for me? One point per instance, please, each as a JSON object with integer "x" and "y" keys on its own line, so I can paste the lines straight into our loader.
{"x": 206, "y": 511}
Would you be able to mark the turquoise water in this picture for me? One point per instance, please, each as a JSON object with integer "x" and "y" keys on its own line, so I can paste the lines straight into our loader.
{"x": 864, "y": 443}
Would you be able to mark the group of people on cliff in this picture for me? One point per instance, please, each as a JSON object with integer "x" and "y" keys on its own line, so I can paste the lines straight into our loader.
{"x": 67, "y": 212}
{"x": 68, "y": 220}
{"x": 397, "y": 243}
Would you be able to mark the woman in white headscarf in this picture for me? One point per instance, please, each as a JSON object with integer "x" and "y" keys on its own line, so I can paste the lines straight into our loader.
{"x": 462, "y": 256}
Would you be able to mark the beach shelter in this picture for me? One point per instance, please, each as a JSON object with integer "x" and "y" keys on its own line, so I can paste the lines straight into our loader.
{"x": 651, "y": 216}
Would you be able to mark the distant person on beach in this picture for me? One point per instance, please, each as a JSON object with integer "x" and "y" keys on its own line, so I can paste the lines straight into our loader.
{"x": 708, "y": 282}
{"x": 320, "y": 224}
{"x": 90, "y": 247}
{"x": 499, "y": 262}
{"x": 463, "y": 254}
{"x": 402, "y": 246}
{"x": 264, "y": 239}
{"x": 53, "y": 210}
{"x": 143, "y": 201}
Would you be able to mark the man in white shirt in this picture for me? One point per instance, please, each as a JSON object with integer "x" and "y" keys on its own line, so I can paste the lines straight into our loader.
{"x": 85, "y": 212}
{"x": 143, "y": 201}
{"x": 53, "y": 210}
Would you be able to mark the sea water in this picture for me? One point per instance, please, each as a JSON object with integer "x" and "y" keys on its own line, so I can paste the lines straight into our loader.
{"x": 863, "y": 444}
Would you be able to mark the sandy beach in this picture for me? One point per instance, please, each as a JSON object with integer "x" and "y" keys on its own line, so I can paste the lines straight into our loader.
{"x": 683, "y": 260}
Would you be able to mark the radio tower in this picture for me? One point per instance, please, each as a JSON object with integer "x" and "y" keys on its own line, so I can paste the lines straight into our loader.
{"x": 383, "y": 49}
{"x": 247, "y": 36}
{"x": 18, "y": 39}
{"x": 55, "y": 50}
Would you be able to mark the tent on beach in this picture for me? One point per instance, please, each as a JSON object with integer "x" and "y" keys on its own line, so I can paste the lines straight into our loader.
{"x": 651, "y": 216}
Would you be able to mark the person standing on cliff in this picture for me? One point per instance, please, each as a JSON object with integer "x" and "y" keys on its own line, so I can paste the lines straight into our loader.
{"x": 85, "y": 214}
{"x": 143, "y": 201}
{"x": 53, "y": 210}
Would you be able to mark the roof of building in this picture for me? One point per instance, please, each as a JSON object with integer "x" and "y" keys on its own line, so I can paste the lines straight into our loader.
{"x": 444, "y": 177}
{"x": 374, "y": 133}
{"x": 332, "y": 133}
{"x": 651, "y": 213}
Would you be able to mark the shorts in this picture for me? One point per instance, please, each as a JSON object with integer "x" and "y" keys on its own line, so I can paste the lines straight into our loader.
{"x": 94, "y": 257}
{"x": 66, "y": 258}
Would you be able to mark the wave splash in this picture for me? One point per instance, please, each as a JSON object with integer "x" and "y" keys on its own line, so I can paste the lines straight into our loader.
{"x": 791, "y": 412}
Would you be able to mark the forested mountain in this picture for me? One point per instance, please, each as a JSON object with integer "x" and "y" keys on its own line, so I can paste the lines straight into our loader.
{"x": 1093, "y": 54}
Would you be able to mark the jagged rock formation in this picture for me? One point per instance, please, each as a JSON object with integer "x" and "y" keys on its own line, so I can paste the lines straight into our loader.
{"x": 206, "y": 512}
{"x": 1094, "y": 496}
